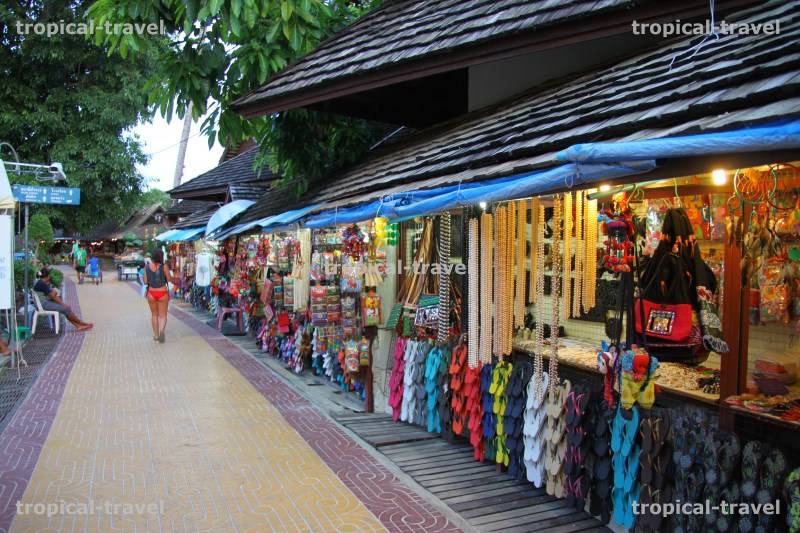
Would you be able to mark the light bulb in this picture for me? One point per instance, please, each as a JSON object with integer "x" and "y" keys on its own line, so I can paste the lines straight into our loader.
{"x": 605, "y": 187}
{"x": 719, "y": 177}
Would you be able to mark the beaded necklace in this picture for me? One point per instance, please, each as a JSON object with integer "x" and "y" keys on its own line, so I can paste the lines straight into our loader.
{"x": 508, "y": 271}
{"x": 499, "y": 278}
{"x": 535, "y": 240}
{"x": 444, "y": 277}
{"x": 580, "y": 246}
{"x": 566, "y": 259}
{"x": 473, "y": 280}
{"x": 487, "y": 251}
{"x": 591, "y": 253}
{"x": 555, "y": 297}
{"x": 519, "y": 294}
{"x": 538, "y": 254}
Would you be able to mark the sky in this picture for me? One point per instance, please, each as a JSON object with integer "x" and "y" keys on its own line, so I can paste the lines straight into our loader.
{"x": 160, "y": 139}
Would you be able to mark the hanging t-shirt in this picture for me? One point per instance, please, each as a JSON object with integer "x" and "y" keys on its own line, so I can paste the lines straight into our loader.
{"x": 203, "y": 271}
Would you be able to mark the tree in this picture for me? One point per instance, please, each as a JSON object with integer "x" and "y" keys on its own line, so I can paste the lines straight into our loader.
{"x": 154, "y": 196}
{"x": 222, "y": 50}
{"x": 63, "y": 98}
{"x": 40, "y": 232}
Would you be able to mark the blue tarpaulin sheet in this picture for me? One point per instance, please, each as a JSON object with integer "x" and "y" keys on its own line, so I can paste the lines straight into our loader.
{"x": 778, "y": 136}
{"x": 224, "y": 214}
{"x": 436, "y": 200}
{"x": 182, "y": 235}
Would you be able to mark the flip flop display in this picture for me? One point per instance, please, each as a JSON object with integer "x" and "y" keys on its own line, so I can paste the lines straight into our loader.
{"x": 654, "y": 463}
{"x": 513, "y": 421}
{"x": 459, "y": 389}
{"x": 624, "y": 432}
{"x": 474, "y": 409}
{"x": 420, "y": 394}
{"x": 435, "y": 371}
{"x": 407, "y": 406}
{"x": 396, "y": 377}
{"x": 555, "y": 438}
{"x": 576, "y": 477}
{"x": 533, "y": 429}
{"x": 500, "y": 377}
{"x": 791, "y": 492}
{"x": 598, "y": 465}
{"x": 488, "y": 422}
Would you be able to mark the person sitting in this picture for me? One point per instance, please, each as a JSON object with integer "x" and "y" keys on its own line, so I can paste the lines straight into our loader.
{"x": 4, "y": 349}
{"x": 51, "y": 301}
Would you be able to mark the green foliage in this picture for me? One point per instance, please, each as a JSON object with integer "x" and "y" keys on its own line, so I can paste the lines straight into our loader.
{"x": 222, "y": 50}
{"x": 154, "y": 196}
{"x": 40, "y": 232}
{"x": 63, "y": 98}
{"x": 19, "y": 274}
{"x": 56, "y": 277}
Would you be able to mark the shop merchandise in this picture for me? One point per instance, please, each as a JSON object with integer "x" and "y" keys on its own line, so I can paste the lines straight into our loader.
{"x": 500, "y": 377}
{"x": 534, "y": 429}
{"x": 625, "y": 465}
{"x": 598, "y": 458}
{"x": 513, "y": 419}
{"x": 576, "y": 479}
{"x": 443, "y": 326}
{"x": 458, "y": 388}
{"x": 435, "y": 370}
{"x": 555, "y": 448}
{"x": 489, "y": 421}
{"x": 472, "y": 391}
{"x": 486, "y": 288}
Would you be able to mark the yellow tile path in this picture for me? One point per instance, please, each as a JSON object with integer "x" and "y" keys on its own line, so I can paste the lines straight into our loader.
{"x": 175, "y": 426}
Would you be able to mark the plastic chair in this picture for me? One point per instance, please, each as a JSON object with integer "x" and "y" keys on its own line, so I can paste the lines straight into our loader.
{"x": 236, "y": 311}
{"x": 54, "y": 316}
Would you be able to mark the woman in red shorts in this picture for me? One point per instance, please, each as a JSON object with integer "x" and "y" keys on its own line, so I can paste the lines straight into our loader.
{"x": 157, "y": 278}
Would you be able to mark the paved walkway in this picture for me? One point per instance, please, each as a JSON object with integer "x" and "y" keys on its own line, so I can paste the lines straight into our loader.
{"x": 191, "y": 435}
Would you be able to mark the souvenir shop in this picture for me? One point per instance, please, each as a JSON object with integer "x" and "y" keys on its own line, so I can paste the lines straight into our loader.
{"x": 582, "y": 340}
{"x": 307, "y": 296}
{"x": 584, "y": 345}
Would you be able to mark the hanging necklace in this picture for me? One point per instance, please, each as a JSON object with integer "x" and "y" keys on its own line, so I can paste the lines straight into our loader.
{"x": 538, "y": 253}
{"x": 580, "y": 244}
{"x": 508, "y": 311}
{"x": 519, "y": 294}
{"x": 555, "y": 297}
{"x": 535, "y": 240}
{"x": 566, "y": 259}
{"x": 473, "y": 280}
{"x": 444, "y": 277}
{"x": 487, "y": 251}
{"x": 591, "y": 253}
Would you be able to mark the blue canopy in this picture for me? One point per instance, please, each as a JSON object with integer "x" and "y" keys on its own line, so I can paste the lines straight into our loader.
{"x": 425, "y": 202}
{"x": 181, "y": 235}
{"x": 778, "y": 136}
{"x": 166, "y": 235}
{"x": 225, "y": 213}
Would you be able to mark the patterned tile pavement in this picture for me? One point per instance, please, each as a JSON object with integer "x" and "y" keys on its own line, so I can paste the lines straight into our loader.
{"x": 397, "y": 506}
{"x": 24, "y": 436}
{"x": 214, "y": 443}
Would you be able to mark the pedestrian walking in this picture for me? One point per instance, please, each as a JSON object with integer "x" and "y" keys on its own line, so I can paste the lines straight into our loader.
{"x": 80, "y": 262}
{"x": 157, "y": 279}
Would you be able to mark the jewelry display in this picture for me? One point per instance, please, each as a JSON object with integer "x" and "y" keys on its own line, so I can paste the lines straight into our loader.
{"x": 522, "y": 240}
{"x": 487, "y": 251}
{"x": 499, "y": 278}
{"x": 590, "y": 261}
{"x": 508, "y": 311}
{"x": 555, "y": 297}
{"x": 473, "y": 281}
{"x": 580, "y": 246}
{"x": 534, "y": 240}
{"x": 538, "y": 350}
{"x": 566, "y": 259}
{"x": 444, "y": 278}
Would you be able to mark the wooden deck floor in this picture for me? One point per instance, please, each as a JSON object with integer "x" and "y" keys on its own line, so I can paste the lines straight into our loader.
{"x": 489, "y": 500}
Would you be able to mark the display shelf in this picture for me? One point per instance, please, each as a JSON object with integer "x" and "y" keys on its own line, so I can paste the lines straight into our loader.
{"x": 584, "y": 356}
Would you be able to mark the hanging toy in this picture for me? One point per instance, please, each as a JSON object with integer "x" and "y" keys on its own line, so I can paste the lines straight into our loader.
{"x": 379, "y": 227}
{"x": 619, "y": 228}
{"x": 353, "y": 242}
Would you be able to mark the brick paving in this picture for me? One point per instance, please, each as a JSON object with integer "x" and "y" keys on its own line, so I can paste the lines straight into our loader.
{"x": 24, "y": 435}
{"x": 194, "y": 426}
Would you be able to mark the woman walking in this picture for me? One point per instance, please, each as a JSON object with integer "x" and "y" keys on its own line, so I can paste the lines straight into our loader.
{"x": 156, "y": 277}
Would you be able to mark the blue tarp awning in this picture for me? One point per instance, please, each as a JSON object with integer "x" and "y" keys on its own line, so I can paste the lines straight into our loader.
{"x": 426, "y": 202}
{"x": 779, "y": 136}
{"x": 181, "y": 235}
{"x": 224, "y": 214}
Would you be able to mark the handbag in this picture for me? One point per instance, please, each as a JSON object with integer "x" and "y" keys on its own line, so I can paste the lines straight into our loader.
{"x": 671, "y": 322}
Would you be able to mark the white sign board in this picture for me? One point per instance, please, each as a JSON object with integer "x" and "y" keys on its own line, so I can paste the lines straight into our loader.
{"x": 6, "y": 263}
